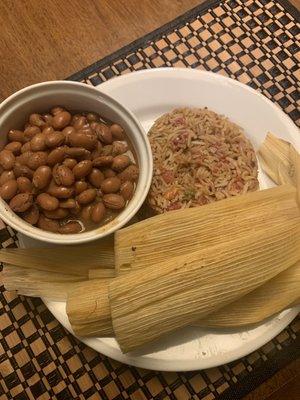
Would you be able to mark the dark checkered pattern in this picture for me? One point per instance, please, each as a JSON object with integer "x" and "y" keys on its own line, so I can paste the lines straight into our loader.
{"x": 252, "y": 41}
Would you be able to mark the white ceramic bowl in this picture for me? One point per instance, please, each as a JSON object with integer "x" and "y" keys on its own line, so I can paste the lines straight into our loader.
{"x": 76, "y": 96}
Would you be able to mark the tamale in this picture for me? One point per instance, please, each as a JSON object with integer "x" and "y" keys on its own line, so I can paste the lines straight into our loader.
{"x": 269, "y": 213}
{"x": 88, "y": 308}
{"x": 263, "y": 210}
{"x": 182, "y": 231}
{"x": 274, "y": 296}
{"x": 35, "y": 283}
{"x": 277, "y": 294}
{"x": 177, "y": 292}
{"x": 275, "y": 159}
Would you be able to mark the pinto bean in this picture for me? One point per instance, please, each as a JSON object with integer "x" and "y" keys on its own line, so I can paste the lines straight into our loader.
{"x": 126, "y": 190}
{"x": 21, "y": 202}
{"x": 31, "y": 215}
{"x": 70, "y": 227}
{"x": 24, "y": 184}
{"x": 98, "y": 212}
{"x": 14, "y": 135}
{"x": 47, "y": 202}
{"x": 113, "y": 201}
{"x": 117, "y": 132}
{"x": 61, "y": 120}
{"x": 111, "y": 185}
{"x": 87, "y": 196}
{"x": 7, "y": 159}
{"x": 96, "y": 177}
{"x": 48, "y": 224}
{"x": 63, "y": 175}
{"x": 42, "y": 176}
{"x": 14, "y": 147}
{"x": 9, "y": 189}
{"x": 82, "y": 169}
{"x": 6, "y": 176}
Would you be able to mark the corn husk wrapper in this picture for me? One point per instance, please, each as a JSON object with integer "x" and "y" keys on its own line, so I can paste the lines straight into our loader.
{"x": 51, "y": 273}
{"x": 183, "y": 231}
{"x": 276, "y": 160}
{"x": 180, "y": 291}
{"x": 71, "y": 261}
{"x": 35, "y": 283}
{"x": 281, "y": 292}
{"x": 88, "y": 308}
{"x": 295, "y": 160}
{"x": 102, "y": 273}
{"x": 271, "y": 210}
{"x": 277, "y": 294}
{"x": 92, "y": 328}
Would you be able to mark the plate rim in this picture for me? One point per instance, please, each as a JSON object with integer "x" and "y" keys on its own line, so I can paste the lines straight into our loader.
{"x": 201, "y": 363}
{"x": 185, "y": 365}
{"x": 134, "y": 75}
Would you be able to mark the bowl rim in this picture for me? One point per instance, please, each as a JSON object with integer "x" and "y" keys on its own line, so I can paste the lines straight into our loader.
{"x": 16, "y": 222}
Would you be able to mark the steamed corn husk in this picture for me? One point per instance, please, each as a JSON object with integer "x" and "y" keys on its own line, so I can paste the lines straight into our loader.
{"x": 88, "y": 308}
{"x": 90, "y": 329}
{"x": 295, "y": 160}
{"x": 279, "y": 293}
{"x": 281, "y": 161}
{"x": 180, "y": 232}
{"x": 180, "y": 291}
{"x": 35, "y": 283}
{"x": 101, "y": 273}
{"x": 276, "y": 161}
{"x": 71, "y": 261}
{"x": 271, "y": 210}
{"x": 99, "y": 322}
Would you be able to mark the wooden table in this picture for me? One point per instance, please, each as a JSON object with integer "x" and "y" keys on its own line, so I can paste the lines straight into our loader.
{"x": 52, "y": 39}
{"x": 46, "y": 40}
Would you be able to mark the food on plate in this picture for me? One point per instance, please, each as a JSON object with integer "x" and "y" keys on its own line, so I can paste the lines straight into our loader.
{"x": 89, "y": 312}
{"x": 84, "y": 266}
{"x": 199, "y": 157}
{"x": 54, "y": 172}
{"x": 88, "y": 308}
{"x": 274, "y": 296}
{"x": 241, "y": 215}
{"x": 281, "y": 161}
{"x": 36, "y": 283}
{"x": 66, "y": 263}
{"x": 150, "y": 242}
{"x": 229, "y": 263}
{"x": 105, "y": 272}
{"x": 274, "y": 154}
{"x": 42, "y": 272}
{"x": 65, "y": 259}
{"x": 180, "y": 291}
{"x": 183, "y": 231}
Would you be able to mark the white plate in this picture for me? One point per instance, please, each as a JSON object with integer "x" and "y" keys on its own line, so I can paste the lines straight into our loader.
{"x": 148, "y": 94}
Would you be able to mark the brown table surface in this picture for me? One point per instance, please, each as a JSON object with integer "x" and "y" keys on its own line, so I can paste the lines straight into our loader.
{"x": 51, "y": 39}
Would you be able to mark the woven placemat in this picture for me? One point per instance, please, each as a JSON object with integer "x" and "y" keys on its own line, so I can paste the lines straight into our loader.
{"x": 252, "y": 41}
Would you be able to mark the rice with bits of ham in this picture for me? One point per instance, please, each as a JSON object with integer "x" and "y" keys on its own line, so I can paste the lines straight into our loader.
{"x": 199, "y": 157}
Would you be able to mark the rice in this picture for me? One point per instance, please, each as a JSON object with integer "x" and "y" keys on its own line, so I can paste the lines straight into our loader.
{"x": 199, "y": 157}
